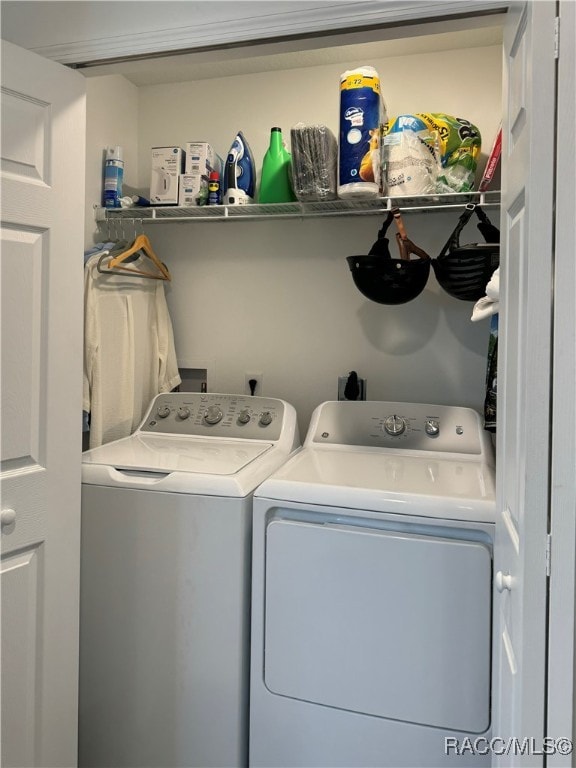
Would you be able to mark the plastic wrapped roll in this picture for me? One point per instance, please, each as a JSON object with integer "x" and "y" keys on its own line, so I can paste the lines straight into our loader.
{"x": 428, "y": 153}
{"x": 314, "y": 161}
{"x": 411, "y": 157}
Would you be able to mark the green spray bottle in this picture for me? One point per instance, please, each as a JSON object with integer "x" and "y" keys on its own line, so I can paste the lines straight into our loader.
{"x": 275, "y": 186}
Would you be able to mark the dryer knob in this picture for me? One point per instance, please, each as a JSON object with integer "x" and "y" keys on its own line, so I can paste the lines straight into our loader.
{"x": 213, "y": 414}
{"x": 163, "y": 411}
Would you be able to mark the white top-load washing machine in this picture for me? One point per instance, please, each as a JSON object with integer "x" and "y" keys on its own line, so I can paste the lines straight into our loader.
{"x": 371, "y": 592}
{"x": 165, "y": 580}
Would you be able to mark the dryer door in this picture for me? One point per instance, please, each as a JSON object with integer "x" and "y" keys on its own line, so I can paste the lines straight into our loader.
{"x": 380, "y": 622}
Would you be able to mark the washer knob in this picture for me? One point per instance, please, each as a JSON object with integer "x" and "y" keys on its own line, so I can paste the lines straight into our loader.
{"x": 432, "y": 427}
{"x": 394, "y": 425}
{"x": 163, "y": 411}
{"x": 184, "y": 412}
{"x": 265, "y": 418}
{"x": 213, "y": 414}
{"x": 244, "y": 416}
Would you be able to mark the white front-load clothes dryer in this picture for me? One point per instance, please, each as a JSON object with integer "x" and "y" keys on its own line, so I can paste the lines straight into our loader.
{"x": 165, "y": 581}
{"x": 372, "y": 584}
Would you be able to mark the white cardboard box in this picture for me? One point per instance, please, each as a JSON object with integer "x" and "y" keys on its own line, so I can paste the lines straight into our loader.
{"x": 191, "y": 185}
{"x": 201, "y": 158}
{"x": 167, "y": 164}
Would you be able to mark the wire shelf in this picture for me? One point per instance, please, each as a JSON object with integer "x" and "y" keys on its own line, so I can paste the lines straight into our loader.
{"x": 350, "y": 207}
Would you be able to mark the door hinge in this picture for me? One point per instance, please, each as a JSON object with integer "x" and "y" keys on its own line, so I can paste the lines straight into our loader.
{"x": 548, "y": 552}
{"x": 556, "y": 37}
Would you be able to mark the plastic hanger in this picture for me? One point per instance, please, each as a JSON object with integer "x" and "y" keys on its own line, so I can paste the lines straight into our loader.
{"x": 141, "y": 245}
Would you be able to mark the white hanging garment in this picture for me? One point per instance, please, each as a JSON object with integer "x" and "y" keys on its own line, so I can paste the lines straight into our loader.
{"x": 490, "y": 304}
{"x": 129, "y": 354}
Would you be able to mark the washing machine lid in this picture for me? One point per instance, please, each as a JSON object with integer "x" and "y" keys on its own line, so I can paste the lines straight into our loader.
{"x": 163, "y": 454}
{"x": 360, "y": 479}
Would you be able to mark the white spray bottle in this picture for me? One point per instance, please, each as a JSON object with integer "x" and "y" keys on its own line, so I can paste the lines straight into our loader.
{"x": 113, "y": 177}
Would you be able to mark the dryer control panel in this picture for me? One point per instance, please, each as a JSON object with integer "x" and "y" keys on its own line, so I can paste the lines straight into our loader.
{"x": 407, "y": 426}
{"x": 214, "y": 415}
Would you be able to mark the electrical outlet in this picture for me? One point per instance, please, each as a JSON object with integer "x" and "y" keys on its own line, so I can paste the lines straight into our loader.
{"x": 248, "y": 377}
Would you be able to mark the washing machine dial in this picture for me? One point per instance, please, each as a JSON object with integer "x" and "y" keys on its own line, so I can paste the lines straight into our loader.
{"x": 265, "y": 418}
{"x": 184, "y": 412}
{"x": 394, "y": 425}
{"x": 213, "y": 414}
{"x": 163, "y": 411}
{"x": 244, "y": 416}
{"x": 432, "y": 427}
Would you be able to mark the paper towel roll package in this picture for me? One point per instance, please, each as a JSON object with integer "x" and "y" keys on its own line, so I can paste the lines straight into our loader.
{"x": 429, "y": 153}
{"x": 361, "y": 115}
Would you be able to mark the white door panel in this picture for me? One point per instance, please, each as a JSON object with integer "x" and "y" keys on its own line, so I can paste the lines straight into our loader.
{"x": 561, "y": 683}
{"x": 43, "y": 135}
{"x": 21, "y": 613}
{"x": 23, "y": 353}
{"x": 524, "y": 377}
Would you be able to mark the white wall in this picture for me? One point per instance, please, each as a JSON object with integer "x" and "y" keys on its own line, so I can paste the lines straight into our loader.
{"x": 463, "y": 83}
{"x": 277, "y": 296}
{"x": 111, "y": 119}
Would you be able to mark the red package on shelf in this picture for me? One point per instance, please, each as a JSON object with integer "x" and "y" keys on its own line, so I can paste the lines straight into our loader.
{"x": 493, "y": 160}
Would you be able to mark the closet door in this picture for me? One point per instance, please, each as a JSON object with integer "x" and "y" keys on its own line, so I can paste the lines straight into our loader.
{"x": 42, "y": 177}
{"x": 524, "y": 377}
{"x": 563, "y": 486}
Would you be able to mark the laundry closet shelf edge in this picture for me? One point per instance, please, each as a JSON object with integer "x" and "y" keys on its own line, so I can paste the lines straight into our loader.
{"x": 350, "y": 207}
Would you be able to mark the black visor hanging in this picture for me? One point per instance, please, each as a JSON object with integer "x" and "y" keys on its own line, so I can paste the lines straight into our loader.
{"x": 384, "y": 279}
{"x": 463, "y": 271}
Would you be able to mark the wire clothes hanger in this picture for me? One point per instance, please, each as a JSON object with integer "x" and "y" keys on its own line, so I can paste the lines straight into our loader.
{"x": 122, "y": 255}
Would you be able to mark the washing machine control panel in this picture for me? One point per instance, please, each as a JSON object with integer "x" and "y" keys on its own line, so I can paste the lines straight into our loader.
{"x": 410, "y": 426}
{"x": 233, "y": 416}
